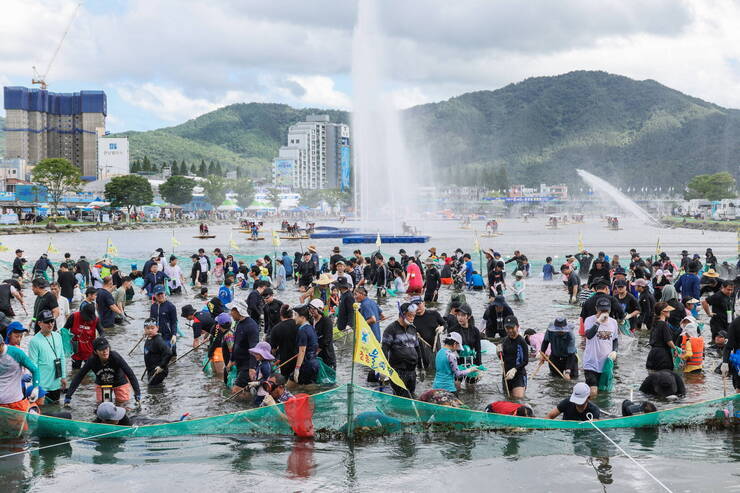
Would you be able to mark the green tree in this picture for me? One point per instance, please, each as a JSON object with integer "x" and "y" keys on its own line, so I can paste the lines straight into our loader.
{"x": 244, "y": 190}
{"x": 129, "y": 191}
{"x": 183, "y": 168}
{"x": 273, "y": 197}
{"x": 59, "y": 177}
{"x": 310, "y": 198}
{"x": 711, "y": 187}
{"x": 203, "y": 170}
{"x": 174, "y": 168}
{"x": 135, "y": 166}
{"x": 215, "y": 189}
{"x": 177, "y": 190}
{"x": 146, "y": 165}
{"x": 502, "y": 179}
{"x": 212, "y": 169}
{"x": 194, "y": 170}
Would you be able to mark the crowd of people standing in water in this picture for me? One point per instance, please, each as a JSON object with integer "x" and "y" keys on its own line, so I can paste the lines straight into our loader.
{"x": 263, "y": 348}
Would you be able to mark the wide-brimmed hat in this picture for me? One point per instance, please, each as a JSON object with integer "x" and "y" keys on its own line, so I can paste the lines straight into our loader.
{"x": 312, "y": 248}
{"x": 187, "y": 310}
{"x": 711, "y": 273}
{"x": 317, "y": 303}
{"x": 560, "y": 324}
{"x": 489, "y": 252}
{"x": 499, "y": 301}
{"x": 263, "y": 349}
{"x": 324, "y": 280}
{"x": 240, "y": 308}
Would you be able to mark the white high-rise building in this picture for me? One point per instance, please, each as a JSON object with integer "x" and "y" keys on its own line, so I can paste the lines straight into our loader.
{"x": 317, "y": 155}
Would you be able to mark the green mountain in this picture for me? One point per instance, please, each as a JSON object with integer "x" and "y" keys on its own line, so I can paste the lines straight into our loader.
{"x": 630, "y": 132}
{"x": 244, "y": 135}
{"x": 637, "y": 133}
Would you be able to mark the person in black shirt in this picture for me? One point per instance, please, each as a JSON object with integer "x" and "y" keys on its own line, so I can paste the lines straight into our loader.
{"x": 202, "y": 323}
{"x": 432, "y": 281}
{"x": 573, "y": 284}
{"x": 470, "y": 337}
{"x": 83, "y": 268}
{"x": 381, "y": 276}
{"x": 663, "y": 383}
{"x": 107, "y": 307}
{"x": 599, "y": 270}
{"x": 515, "y": 356}
{"x": 335, "y": 257}
{"x": 720, "y": 308}
{"x": 429, "y": 324}
{"x": 628, "y": 302}
{"x": 157, "y": 353}
{"x": 324, "y": 332}
{"x": 306, "y": 272}
{"x": 255, "y": 303}
{"x": 41, "y": 266}
{"x": 9, "y": 289}
{"x": 578, "y": 407}
{"x": 18, "y": 263}
{"x": 271, "y": 310}
{"x": 647, "y": 304}
{"x": 67, "y": 282}
{"x": 345, "y": 310}
{"x": 601, "y": 290}
{"x": 401, "y": 348}
{"x": 584, "y": 262}
{"x": 283, "y": 340}
{"x": 110, "y": 370}
{"x": 115, "y": 274}
{"x": 45, "y": 300}
{"x": 495, "y": 315}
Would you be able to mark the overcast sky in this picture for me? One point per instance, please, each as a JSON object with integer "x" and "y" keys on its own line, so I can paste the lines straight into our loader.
{"x": 162, "y": 62}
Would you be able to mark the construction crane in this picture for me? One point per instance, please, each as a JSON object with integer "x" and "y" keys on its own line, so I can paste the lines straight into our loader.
{"x": 40, "y": 79}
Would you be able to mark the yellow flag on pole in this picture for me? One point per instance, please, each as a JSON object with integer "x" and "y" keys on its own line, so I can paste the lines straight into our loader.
{"x": 368, "y": 351}
{"x": 580, "y": 242}
{"x": 111, "y": 249}
{"x": 232, "y": 243}
{"x": 476, "y": 243}
{"x": 175, "y": 242}
{"x": 3, "y": 248}
{"x": 377, "y": 241}
{"x": 658, "y": 249}
{"x": 51, "y": 248}
{"x": 275, "y": 239}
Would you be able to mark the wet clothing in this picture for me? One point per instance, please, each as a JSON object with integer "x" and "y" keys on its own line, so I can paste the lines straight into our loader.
{"x": 283, "y": 341}
{"x": 495, "y": 320}
{"x": 83, "y": 333}
{"x": 67, "y": 282}
{"x": 46, "y": 301}
{"x": 346, "y": 311}
{"x": 663, "y": 383}
{"x": 647, "y": 309}
{"x": 47, "y": 352}
{"x": 325, "y": 335}
{"x": 12, "y": 363}
{"x": 571, "y": 413}
{"x": 447, "y": 370}
{"x": 689, "y": 286}
{"x": 6, "y": 297}
{"x": 157, "y": 353}
{"x": 369, "y": 309}
{"x": 723, "y": 311}
{"x": 255, "y": 305}
{"x": 307, "y": 272}
{"x": 547, "y": 272}
{"x": 596, "y": 273}
{"x": 601, "y": 339}
{"x": 660, "y": 356}
{"x": 115, "y": 372}
{"x": 589, "y": 306}
{"x": 166, "y": 316}
{"x": 504, "y": 407}
{"x": 584, "y": 263}
{"x": 203, "y": 322}
{"x": 629, "y": 304}
{"x": 271, "y": 312}
{"x": 432, "y": 283}
{"x": 515, "y": 354}
{"x": 152, "y": 279}
{"x": 17, "y": 267}
{"x": 104, "y": 302}
{"x": 471, "y": 338}
{"x": 306, "y": 337}
{"x": 246, "y": 336}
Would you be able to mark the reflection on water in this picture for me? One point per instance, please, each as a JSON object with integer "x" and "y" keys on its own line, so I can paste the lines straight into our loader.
{"x": 689, "y": 458}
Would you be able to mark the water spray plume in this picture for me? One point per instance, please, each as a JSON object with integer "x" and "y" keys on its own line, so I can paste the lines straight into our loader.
{"x": 618, "y": 197}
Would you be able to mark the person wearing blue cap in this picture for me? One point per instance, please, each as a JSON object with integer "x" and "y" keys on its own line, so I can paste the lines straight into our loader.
{"x": 165, "y": 313}
{"x": 14, "y": 334}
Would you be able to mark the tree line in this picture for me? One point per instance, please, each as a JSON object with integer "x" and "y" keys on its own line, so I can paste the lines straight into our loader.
{"x": 146, "y": 166}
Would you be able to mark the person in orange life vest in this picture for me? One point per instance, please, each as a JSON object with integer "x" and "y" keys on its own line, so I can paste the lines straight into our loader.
{"x": 692, "y": 346}
{"x": 84, "y": 325}
{"x": 509, "y": 408}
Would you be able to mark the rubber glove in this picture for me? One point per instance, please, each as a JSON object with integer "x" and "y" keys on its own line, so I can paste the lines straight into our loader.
{"x": 253, "y": 385}
{"x": 296, "y": 374}
{"x": 511, "y": 374}
{"x": 613, "y": 356}
{"x": 27, "y": 377}
{"x": 34, "y": 395}
{"x": 725, "y": 369}
{"x": 602, "y": 319}
{"x": 138, "y": 401}
{"x": 67, "y": 402}
{"x": 268, "y": 400}
{"x": 440, "y": 329}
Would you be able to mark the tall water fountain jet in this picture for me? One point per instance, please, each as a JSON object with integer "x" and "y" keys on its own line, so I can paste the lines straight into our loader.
{"x": 621, "y": 199}
{"x": 385, "y": 185}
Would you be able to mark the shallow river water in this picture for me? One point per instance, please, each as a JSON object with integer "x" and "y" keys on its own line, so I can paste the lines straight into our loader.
{"x": 685, "y": 460}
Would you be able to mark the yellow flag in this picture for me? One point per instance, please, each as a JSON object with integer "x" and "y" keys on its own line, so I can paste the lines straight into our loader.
{"x": 111, "y": 249}
{"x": 275, "y": 239}
{"x": 51, "y": 248}
{"x": 377, "y": 241}
{"x": 3, "y": 248}
{"x": 175, "y": 243}
{"x": 580, "y": 242}
{"x": 368, "y": 351}
{"x": 658, "y": 249}
{"x": 476, "y": 243}
{"x": 232, "y": 243}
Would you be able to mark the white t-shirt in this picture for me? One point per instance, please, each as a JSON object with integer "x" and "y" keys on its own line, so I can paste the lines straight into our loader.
{"x": 64, "y": 311}
{"x": 346, "y": 276}
{"x": 600, "y": 345}
{"x": 174, "y": 273}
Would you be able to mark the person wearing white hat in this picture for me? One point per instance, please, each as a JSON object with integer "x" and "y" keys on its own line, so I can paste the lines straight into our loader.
{"x": 578, "y": 407}
{"x": 692, "y": 346}
{"x": 447, "y": 370}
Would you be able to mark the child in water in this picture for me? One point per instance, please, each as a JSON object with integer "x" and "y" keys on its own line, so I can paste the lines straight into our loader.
{"x": 398, "y": 285}
{"x": 519, "y": 286}
{"x": 548, "y": 270}
{"x": 476, "y": 282}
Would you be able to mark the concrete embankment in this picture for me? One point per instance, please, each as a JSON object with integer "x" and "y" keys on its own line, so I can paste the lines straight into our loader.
{"x": 78, "y": 228}
{"x": 706, "y": 224}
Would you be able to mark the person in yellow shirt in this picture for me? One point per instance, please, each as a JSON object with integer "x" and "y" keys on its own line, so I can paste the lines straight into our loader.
{"x": 692, "y": 346}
